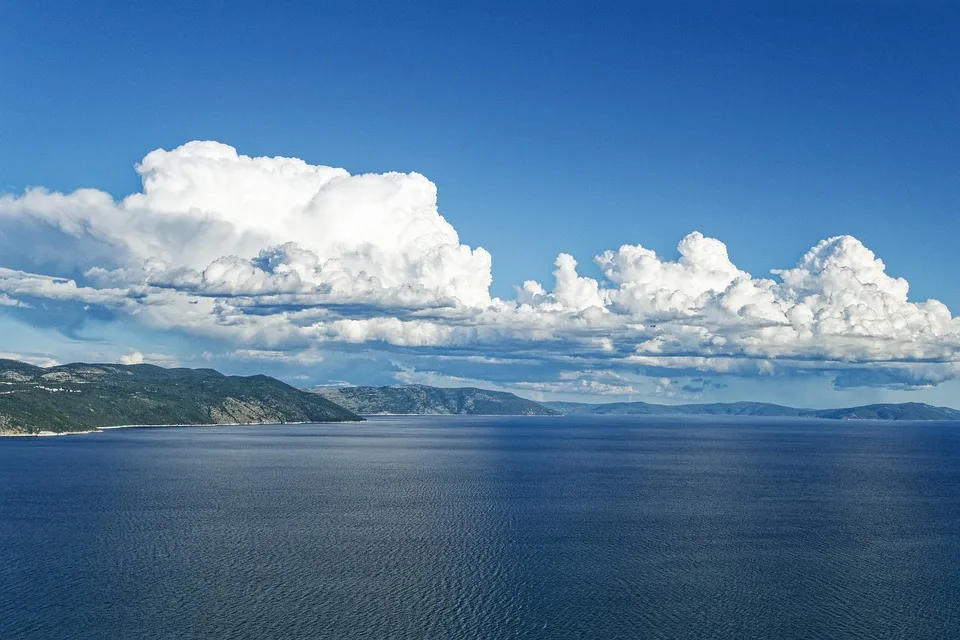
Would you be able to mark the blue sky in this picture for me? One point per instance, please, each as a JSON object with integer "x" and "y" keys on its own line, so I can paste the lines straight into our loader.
{"x": 547, "y": 128}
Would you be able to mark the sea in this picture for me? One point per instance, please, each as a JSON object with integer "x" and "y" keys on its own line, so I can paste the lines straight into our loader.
{"x": 486, "y": 528}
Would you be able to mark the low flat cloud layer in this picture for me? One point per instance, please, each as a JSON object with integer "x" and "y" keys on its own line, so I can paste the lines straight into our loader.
{"x": 276, "y": 256}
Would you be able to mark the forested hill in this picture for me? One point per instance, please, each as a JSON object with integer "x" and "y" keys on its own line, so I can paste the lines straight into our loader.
{"x": 79, "y": 397}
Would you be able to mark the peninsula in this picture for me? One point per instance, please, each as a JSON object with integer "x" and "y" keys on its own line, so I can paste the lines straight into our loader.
{"x": 82, "y": 397}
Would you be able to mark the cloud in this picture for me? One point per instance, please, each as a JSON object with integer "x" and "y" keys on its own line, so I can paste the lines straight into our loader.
{"x": 902, "y": 376}
{"x": 216, "y": 222}
{"x": 696, "y": 386}
{"x": 701, "y": 312}
{"x": 159, "y": 359}
{"x": 35, "y": 360}
{"x": 305, "y": 357}
{"x": 280, "y": 260}
{"x": 579, "y": 387}
{"x": 573, "y": 384}
{"x": 7, "y": 301}
{"x": 132, "y": 358}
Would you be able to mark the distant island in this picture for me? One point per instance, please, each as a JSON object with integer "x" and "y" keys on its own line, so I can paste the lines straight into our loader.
{"x": 425, "y": 400}
{"x": 83, "y": 397}
{"x": 418, "y": 399}
{"x": 886, "y": 411}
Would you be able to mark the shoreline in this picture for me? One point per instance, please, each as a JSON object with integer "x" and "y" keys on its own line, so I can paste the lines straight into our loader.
{"x": 367, "y": 416}
{"x": 460, "y": 415}
{"x": 47, "y": 434}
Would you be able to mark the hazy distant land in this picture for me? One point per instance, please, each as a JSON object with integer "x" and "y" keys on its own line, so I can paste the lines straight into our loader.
{"x": 418, "y": 399}
{"x": 884, "y": 411}
{"x": 426, "y": 400}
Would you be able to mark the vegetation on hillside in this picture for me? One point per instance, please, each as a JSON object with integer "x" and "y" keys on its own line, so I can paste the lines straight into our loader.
{"x": 78, "y": 397}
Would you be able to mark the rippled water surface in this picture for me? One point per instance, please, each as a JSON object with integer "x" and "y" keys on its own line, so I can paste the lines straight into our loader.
{"x": 485, "y": 528}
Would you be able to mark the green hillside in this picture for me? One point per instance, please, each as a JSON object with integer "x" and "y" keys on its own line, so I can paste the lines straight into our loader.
{"x": 78, "y": 397}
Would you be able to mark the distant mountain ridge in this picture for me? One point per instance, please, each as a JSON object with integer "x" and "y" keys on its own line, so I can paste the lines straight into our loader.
{"x": 886, "y": 411}
{"x": 419, "y": 399}
{"x": 80, "y": 397}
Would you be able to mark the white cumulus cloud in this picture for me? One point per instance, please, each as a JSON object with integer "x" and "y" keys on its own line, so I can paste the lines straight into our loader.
{"x": 132, "y": 358}
{"x": 277, "y": 257}
{"x": 211, "y": 220}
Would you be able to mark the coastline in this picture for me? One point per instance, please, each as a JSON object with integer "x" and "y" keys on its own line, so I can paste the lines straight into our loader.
{"x": 46, "y": 434}
{"x": 366, "y": 416}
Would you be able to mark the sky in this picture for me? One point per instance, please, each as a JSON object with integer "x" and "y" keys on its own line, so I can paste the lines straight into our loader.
{"x": 670, "y": 202}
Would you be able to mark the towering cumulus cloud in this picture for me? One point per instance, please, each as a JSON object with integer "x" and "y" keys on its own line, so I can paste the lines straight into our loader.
{"x": 836, "y": 308}
{"x": 277, "y": 254}
{"x": 215, "y": 222}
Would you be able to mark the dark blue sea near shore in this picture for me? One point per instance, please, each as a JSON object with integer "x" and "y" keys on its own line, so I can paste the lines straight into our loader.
{"x": 487, "y": 528}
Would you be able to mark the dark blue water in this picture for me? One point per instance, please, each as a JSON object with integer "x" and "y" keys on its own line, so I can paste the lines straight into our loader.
{"x": 485, "y": 528}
